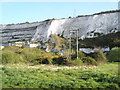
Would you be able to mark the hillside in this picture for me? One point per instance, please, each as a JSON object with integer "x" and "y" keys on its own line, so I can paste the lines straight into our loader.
{"x": 89, "y": 26}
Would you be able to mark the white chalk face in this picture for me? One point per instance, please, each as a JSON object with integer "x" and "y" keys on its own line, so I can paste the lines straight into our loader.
{"x": 89, "y": 26}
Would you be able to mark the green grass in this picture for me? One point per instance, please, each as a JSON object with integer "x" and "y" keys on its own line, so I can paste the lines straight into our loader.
{"x": 51, "y": 76}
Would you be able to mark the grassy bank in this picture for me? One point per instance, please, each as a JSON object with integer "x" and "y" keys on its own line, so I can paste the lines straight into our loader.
{"x": 13, "y": 54}
{"x": 51, "y": 76}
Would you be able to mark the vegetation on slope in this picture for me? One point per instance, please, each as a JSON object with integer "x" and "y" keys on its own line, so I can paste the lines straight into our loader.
{"x": 12, "y": 54}
{"x": 111, "y": 40}
{"x": 59, "y": 42}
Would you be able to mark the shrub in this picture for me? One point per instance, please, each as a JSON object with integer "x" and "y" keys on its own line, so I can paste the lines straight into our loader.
{"x": 50, "y": 60}
{"x": 30, "y": 54}
{"x": 11, "y": 57}
{"x": 60, "y": 61}
{"x": 55, "y": 59}
{"x": 99, "y": 57}
{"x": 46, "y": 61}
{"x": 76, "y": 62}
{"x": 81, "y": 54}
{"x": 89, "y": 61}
{"x": 14, "y": 49}
{"x": 22, "y": 46}
{"x": 67, "y": 54}
{"x": 14, "y": 54}
{"x": 59, "y": 42}
{"x": 114, "y": 55}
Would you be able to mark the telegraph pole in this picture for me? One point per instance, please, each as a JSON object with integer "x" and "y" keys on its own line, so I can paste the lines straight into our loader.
{"x": 69, "y": 45}
{"x": 76, "y": 42}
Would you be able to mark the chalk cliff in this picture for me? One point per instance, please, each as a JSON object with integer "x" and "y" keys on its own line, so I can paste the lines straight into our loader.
{"x": 89, "y": 26}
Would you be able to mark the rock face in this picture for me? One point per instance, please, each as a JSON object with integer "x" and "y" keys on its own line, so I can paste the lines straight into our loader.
{"x": 89, "y": 26}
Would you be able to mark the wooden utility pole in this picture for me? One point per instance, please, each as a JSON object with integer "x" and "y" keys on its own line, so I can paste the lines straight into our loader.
{"x": 69, "y": 45}
{"x": 77, "y": 41}
{"x": 71, "y": 31}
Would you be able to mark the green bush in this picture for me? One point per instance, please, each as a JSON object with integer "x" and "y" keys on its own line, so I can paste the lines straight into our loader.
{"x": 69, "y": 53}
{"x": 11, "y": 57}
{"x": 46, "y": 61}
{"x": 14, "y": 49}
{"x": 76, "y": 62}
{"x": 81, "y": 54}
{"x": 14, "y": 54}
{"x": 99, "y": 57}
{"x": 89, "y": 61}
{"x": 50, "y": 60}
{"x": 59, "y": 61}
{"x": 22, "y": 46}
{"x": 114, "y": 55}
{"x": 30, "y": 54}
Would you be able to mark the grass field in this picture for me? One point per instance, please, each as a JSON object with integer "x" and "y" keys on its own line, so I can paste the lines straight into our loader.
{"x": 51, "y": 76}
